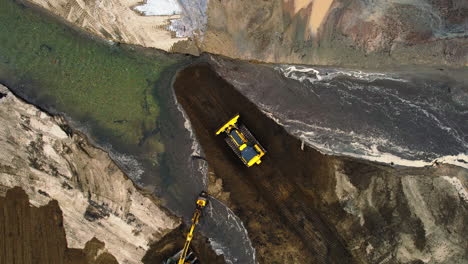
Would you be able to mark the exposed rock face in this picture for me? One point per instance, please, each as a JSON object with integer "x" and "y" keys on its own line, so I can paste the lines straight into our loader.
{"x": 329, "y": 32}
{"x": 36, "y": 235}
{"x": 43, "y": 156}
{"x": 115, "y": 20}
{"x": 339, "y": 32}
{"x": 402, "y": 216}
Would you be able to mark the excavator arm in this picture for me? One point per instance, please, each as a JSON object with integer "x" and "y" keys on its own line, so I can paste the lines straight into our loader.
{"x": 189, "y": 237}
{"x": 201, "y": 203}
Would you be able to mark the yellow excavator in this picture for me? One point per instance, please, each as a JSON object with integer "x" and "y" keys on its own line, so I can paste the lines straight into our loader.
{"x": 186, "y": 256}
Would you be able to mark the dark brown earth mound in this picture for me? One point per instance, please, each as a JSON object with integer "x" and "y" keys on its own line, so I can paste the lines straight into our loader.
{"x": 30, "y": 235}
{"x": 300, "y": 206}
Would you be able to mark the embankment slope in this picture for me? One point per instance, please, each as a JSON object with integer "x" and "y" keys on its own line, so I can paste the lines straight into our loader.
{"x": 300, "y": 206}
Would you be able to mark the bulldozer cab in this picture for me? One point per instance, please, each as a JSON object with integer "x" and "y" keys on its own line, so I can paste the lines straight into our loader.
{"x": 237, "y": 137}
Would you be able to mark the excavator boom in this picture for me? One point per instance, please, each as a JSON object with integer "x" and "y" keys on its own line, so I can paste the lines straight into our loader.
{"x": 189, "y": 237}
{"x": 201, "y": 203}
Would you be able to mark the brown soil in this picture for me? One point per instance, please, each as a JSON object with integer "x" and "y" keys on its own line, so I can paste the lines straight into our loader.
{"x": 30, "y": 235}
{"x": 277, "y": 200}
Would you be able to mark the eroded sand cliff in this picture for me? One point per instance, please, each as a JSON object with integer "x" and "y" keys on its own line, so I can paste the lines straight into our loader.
{"x": 50, "y": 162}
{"x": 332, "y": 32}
{"x": 115, "y": 20}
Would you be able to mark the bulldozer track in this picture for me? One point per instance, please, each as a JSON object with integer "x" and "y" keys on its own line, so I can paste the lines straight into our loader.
{"x": 250, "y": 138}
{"x": 233, "y": 146}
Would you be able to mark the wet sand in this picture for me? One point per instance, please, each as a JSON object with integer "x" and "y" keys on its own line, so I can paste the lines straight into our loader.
{"x": 276, "y": 200}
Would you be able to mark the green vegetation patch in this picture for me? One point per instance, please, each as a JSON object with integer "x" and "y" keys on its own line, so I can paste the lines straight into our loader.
{"x": 93, "y": 81}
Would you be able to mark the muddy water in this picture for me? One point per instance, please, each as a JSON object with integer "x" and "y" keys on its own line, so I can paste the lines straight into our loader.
{"x": 408, "y": 118}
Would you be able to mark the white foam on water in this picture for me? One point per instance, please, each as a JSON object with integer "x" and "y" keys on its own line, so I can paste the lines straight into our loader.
{"x": 128, "y": 163}
{"x": 227, "y": 218}
{"x": 368, "y": 151}
{"x": 160, "y": 8}
{"x": 431, "y": 116}
{"x": 219, "y": 249}
{"x": 301, "y": 74}
{"x": 203, "y": 169}
{"x": 196, "y": 149}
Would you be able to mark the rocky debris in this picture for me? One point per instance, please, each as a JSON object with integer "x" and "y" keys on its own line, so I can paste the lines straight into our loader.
{"x": 36, "y": 234}
{"x": 351, "y": 33}
{"x": 402, "y": 216}
{"x": 300, "y": 206}
{"x": 96, "y": 211}
{"x": 215, "y": 188}
{"x": 95, "y": 196}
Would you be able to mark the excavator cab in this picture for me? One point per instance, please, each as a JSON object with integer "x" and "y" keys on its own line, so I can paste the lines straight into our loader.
{"x": 186, "y": 255}
{"x": 202, "y": 200}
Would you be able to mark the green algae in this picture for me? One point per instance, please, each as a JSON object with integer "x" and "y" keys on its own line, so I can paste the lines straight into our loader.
{"x": 107, "y": 85}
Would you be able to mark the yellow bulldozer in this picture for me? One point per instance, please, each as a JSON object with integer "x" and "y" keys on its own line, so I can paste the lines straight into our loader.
{"x": 242, "y": 142}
